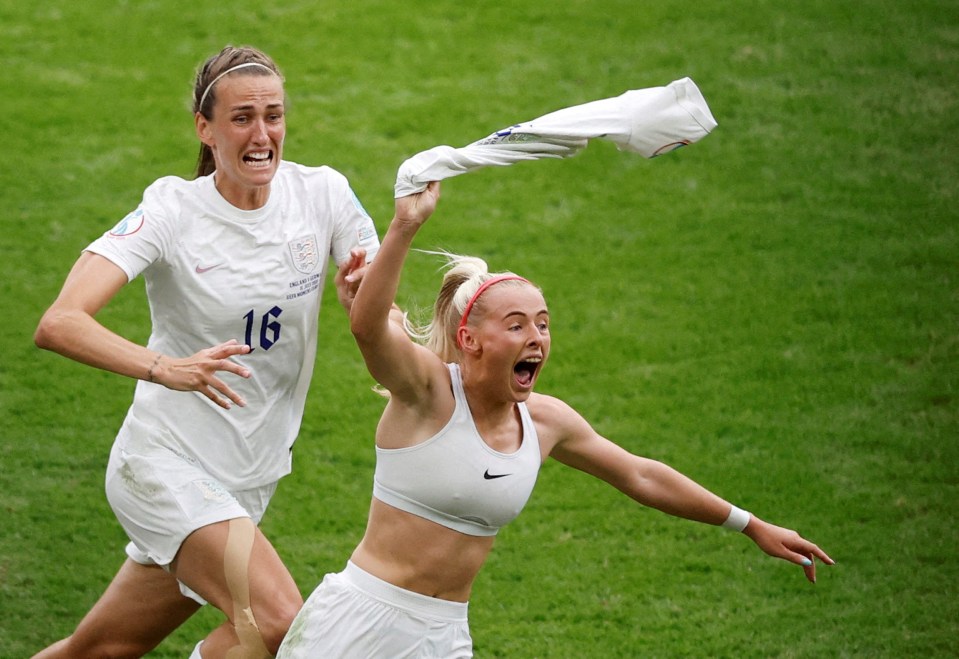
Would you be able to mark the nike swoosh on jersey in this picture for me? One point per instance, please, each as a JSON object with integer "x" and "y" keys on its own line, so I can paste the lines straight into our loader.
{"x": 200, "y": 269}
{"x": 488, "y": 476}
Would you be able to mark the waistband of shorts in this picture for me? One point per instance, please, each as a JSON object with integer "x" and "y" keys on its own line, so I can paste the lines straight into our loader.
{"x": 405, "y": 599}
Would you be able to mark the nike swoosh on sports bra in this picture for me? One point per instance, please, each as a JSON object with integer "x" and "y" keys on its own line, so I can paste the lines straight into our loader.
{"x": 455, "y": 479}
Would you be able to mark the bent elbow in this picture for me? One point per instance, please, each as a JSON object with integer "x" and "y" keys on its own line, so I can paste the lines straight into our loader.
{"x": 42, "y": 337}
{"x": 49, "y": 332}
{"x": 362, "y": 328}
{"x": 357, "y": 328}
{"x": 361, "y": 334}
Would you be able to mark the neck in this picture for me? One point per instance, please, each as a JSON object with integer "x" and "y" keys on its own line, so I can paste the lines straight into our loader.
{"x": 244, "y": 198}
{"x": 497, "y": 421}
{"x": 486, "y": 405}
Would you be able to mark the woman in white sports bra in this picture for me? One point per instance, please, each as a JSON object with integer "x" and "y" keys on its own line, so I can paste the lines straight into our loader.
{"x": 458, "y": 449}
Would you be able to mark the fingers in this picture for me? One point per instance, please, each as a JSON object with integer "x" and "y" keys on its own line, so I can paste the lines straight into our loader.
{"x": 806, "y": 555}
{"x": 222, "y": 354}
{"x": 432, "y": 196}
{"x": 224, "y": 351}
{"x": 354, "y": 268}
{"x": 419, "y": 206}
{"x": 231, "y": 397}
{"x": 788, "y": 545}
{"x": 348, "y": 277}
{"x": 357, "y": 258}
{"x": 199, "y": 373}
{"x": 810, "y": 570}
{"x": 823, "y": 556}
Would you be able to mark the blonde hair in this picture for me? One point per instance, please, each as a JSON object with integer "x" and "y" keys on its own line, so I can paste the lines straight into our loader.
{"x": 463, "y": 278}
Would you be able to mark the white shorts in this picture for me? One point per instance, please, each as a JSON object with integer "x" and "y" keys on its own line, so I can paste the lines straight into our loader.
{"x": 355, "y": 615}
{"x": 160, "y": 497}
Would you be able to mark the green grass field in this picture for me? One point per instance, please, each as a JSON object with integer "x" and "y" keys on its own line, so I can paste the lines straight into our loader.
{"x": 774, "y": 311}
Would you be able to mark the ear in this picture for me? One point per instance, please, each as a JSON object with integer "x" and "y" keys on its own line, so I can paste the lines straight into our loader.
{"x": 203, "y": 129}
{"x": 467, "y": 342}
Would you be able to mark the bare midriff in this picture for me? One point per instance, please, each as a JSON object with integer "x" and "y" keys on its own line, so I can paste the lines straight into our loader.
{"x": 419, "y": 555}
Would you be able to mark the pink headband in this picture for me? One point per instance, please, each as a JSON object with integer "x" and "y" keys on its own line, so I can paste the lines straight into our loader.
{"x": 479, "y": 291}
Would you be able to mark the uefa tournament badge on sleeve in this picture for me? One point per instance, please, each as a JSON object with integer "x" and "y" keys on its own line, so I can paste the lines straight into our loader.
{"x": 129, "y": 225}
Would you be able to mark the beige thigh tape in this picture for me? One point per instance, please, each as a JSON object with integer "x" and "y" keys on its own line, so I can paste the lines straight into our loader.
{"x": 236, "y": 565}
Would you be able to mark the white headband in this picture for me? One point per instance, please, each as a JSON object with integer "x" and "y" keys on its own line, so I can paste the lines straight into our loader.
{"x": 206, "y": 91}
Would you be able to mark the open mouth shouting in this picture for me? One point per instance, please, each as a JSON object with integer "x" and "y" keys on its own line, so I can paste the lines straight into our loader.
{"x": 524, "y": 372}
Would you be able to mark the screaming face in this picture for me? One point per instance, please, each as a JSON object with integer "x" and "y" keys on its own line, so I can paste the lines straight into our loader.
{"x": 246, "y": 136}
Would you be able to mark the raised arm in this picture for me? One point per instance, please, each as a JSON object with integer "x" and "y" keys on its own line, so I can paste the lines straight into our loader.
{"x": 69, "y": 328}
{"x": 654, "y": 484}
{"x": 392, "y": 359}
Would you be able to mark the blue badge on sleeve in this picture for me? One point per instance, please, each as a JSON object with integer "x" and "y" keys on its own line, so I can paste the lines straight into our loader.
{"x": 129, "y": 225}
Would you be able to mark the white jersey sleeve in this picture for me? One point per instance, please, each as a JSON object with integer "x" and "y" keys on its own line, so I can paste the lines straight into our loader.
{"x": 134, "y": 242}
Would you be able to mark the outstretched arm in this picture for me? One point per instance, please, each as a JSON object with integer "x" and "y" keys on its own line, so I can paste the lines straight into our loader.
{"x": 659, "y": 486}
{"x": 390, "y": 356}
{"x": 69, "y": 328}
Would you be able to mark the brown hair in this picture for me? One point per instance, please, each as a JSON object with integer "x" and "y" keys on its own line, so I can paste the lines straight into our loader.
{"x": 204, "y": 87}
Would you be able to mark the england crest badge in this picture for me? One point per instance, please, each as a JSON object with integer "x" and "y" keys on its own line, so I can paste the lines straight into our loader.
{"x": 304, "y": 253}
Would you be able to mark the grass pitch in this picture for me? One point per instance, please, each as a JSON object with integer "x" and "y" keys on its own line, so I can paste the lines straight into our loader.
{"x": 774, "y": 311}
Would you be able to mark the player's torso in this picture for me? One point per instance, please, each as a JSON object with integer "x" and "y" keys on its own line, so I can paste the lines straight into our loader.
{"x": 254, "y": 277}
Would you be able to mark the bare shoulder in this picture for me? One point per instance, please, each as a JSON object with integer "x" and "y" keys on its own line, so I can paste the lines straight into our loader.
{"x": 555, "y": 420}
{"x": 544, "y": 408}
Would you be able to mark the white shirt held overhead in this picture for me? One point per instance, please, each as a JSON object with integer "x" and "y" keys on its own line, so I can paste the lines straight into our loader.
{"x": 650, "y": 122}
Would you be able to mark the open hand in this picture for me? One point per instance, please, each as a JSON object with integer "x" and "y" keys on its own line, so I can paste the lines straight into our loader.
{"x": 199, "y": 372}
{"x": 787, "y": 545}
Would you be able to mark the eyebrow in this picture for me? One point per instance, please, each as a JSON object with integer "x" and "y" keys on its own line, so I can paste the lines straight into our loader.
{"x": 249, "y": 106}
{"x": 541, "y": 312}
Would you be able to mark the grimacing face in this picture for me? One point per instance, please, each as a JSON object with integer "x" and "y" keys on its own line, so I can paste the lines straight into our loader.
{"x": 246, "y": 135}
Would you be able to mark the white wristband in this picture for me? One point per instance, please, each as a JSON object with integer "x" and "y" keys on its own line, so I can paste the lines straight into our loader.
{"x": 737, "y": 520}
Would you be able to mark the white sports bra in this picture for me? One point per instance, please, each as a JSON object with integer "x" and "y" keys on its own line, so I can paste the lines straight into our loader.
{"x": 455, "y": 479}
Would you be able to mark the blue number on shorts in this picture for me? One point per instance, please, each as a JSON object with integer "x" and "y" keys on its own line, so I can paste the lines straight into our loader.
{"x": 269, "y": 328}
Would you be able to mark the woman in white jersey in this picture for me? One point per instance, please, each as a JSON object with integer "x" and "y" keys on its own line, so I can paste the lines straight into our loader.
{"x": 458, "y": 449}
{"x": 234, "y": 262}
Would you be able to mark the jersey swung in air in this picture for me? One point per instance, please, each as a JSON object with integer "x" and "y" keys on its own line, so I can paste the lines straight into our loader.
{"x": 650, "y": 122}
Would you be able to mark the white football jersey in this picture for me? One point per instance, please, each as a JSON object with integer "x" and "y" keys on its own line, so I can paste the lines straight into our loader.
{"x": 215, "y": 273}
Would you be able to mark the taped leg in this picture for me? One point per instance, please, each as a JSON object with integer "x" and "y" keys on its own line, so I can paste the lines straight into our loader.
{"x": 217, "y": 562}
{"x": 236, "y": 567}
